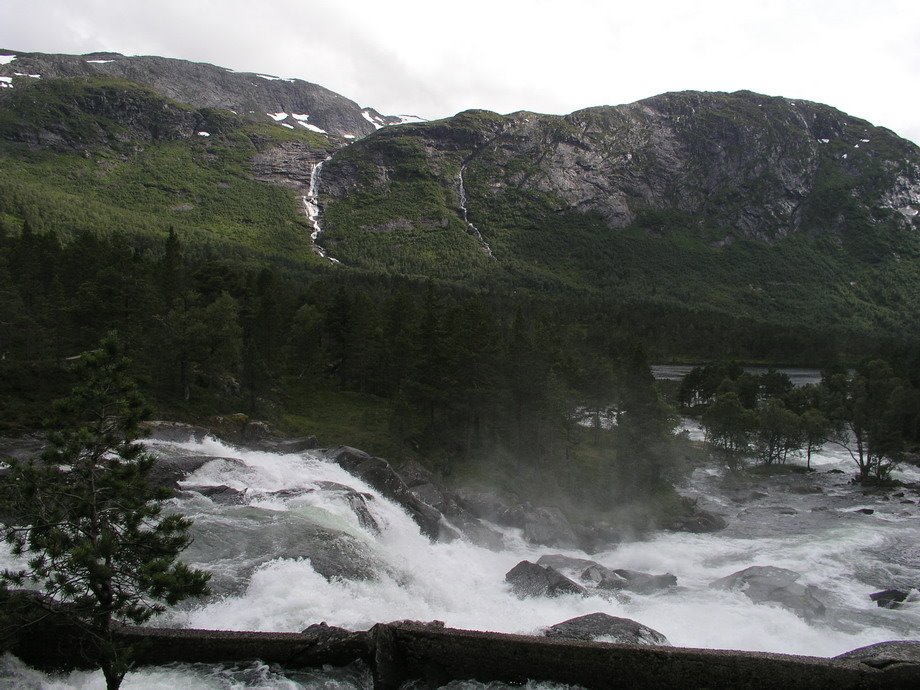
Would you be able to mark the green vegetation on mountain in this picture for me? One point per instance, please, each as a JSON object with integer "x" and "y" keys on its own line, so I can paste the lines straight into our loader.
{"x": 690, "y": 226}
{"x": 112, "y": 158}
{"x": 759, "y": 208}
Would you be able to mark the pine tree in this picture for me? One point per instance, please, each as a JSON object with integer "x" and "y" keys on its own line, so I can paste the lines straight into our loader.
{"x": 88, "y": 519}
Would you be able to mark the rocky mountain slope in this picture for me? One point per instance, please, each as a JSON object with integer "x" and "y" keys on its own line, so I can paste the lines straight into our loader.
{"x": 737, "y": 202}
{"x": 293, "y": 102}
{"x": 740, "y": 204}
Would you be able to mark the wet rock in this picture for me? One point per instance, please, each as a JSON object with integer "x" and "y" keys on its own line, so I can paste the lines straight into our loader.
{"x": 836, "y": 471}
{"x": 221, "y": 493}
{"x": 174, "y": 464}
{"x": 378, "y": 473}
{"x": 629, "y": 580}
{"x": 864, "y": 511}
{"x": 769, "y": 584}
{"x": 598, "y": 536}
{"x": 605, "y": 628}
{"x": 357, "y": 501}
{"x": 698, "y": 522}
{"x": 487, "y": 504}
{"x": 531, "y": 580}
{"x": 285, "y": 446}
{"x": 560, "y": 562}
{"x": 548, "y": 526}
{"x": 255, "y": 431}
{"x": 890, "y": 598}
{"x": 175, "y": 432}
{"x": 886, "y": 654}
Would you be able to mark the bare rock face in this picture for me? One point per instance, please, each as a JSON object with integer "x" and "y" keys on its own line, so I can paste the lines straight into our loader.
{"x": 605, "y": 628}
{"x": 531, "y": 580}
{"x": 769, "y": 584}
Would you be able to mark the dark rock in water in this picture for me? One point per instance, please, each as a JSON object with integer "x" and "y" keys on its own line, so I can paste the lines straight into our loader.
{"x": 886, "y": 654}
{"x": 864, "y": 511}
{"x": 285, "y": 446}
{"x": 488, "y": 505}
{"x": 612, "y": 629}
{"x": 531, "y": 580}
{"x": 630, "y": 580}
{"x": 836, "y": 471}
{"x": 255, "y": 430}
{"x": 541, "y": 525}
{"x": 221, "y": 493}
{"x": 378, "y": 473}
{"x": 597, "y": 536}
{"x": 425, "y": 487}
{"x": 890, "y": 598}
{"x": 769, "y": 584}
{"x": 175, "y": 432}
{"x": 698, "y": 522}
{"x": 173, "y": 465}
{"x": 560, "y": 562}
{"x": 548, "y": 526}
{"x": 357, "y": 501}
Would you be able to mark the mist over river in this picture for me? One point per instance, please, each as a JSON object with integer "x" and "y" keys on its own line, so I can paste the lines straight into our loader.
{"x": 266, "y": 546}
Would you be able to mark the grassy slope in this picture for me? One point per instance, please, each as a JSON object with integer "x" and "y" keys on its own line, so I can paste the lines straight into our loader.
{"x": 110, "y": 180}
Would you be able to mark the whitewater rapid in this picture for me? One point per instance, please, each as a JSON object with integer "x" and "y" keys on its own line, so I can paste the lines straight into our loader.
{"x": 265, "y": 579}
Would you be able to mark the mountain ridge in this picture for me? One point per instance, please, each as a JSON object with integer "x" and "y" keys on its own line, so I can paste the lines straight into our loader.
{"x": 755, "y": 206}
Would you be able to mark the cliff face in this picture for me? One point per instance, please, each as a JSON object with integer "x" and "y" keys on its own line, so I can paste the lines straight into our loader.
{"x": 745, "y": 165}
{"x": 742, "y": 203}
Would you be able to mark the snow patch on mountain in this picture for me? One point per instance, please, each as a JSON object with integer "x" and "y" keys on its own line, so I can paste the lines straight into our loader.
{"x": 277, "y": 117}
{"x": 99, "y": 62}
{"x": 6, "y": 59}
{"x": 376, "y": 121}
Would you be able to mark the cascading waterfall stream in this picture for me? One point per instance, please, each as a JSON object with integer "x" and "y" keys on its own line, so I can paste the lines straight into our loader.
{"x": 287, "y": 549}
{"x": 311, "y": 206}
{"x": 487, "y": 250}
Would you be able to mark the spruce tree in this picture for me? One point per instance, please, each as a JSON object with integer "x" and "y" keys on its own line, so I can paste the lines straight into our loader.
{"x": 87, "y": 518}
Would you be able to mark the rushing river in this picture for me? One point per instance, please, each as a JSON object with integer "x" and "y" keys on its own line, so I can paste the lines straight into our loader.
{"x": 266, "y": 551}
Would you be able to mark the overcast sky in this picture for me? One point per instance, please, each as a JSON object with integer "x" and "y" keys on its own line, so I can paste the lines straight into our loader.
{"x": 434, "y": 58}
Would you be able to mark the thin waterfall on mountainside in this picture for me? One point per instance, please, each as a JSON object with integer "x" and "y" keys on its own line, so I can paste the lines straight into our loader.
{"x": 311, "y": 206}
{"x": 475, "y": 231}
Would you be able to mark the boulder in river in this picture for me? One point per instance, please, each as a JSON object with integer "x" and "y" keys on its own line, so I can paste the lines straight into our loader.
{"x": 531, "y": 580}
{"x": 697, "y": 521}
{"x": 285, "y": 446}
{"x": 769, "y": 584}
{"x": 221, "y": 493}
{"x": 886, "y": 654}
{"x": 605, "y": 628}
{"x": 174, "y": 464}
{"x": 378, "y": 473}
{"x": 630, "y": 580}
{"x": 561, "y": 562}
{"x": 357, "y": 501}
{"x": 548, "y": 526}
{"x": 890, "y": 598}
{"x": 174, "y": 432}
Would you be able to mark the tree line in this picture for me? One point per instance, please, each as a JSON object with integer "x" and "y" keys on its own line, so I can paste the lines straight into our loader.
{"x": 872, "y": 411}
{"x": 464, "y": 375}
